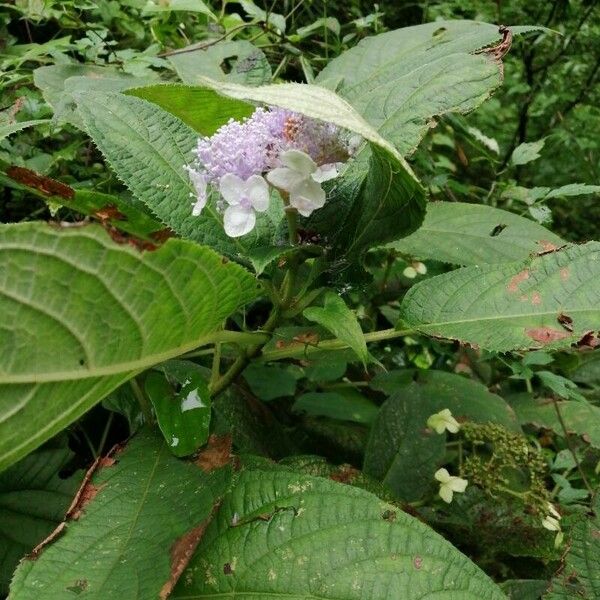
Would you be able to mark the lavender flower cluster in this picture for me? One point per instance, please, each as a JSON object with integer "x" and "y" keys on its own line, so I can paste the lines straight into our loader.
{"x": 287, "y": 150}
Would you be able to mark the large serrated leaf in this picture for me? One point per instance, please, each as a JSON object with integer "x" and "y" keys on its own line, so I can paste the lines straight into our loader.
{"x": 579, "y": 575}
{"x": 400, "y": 441}
{"x": 81, "y": 314}
{"x": 550, "y": 301}
{"x": 121, "y": 541}
{"x": 285, "y": 535}
{"x": 401, "y": 80}
{"x": 472, "y": 234}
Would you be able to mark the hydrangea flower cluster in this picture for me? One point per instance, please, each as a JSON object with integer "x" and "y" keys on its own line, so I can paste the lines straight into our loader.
{"x": 276, "y": 147}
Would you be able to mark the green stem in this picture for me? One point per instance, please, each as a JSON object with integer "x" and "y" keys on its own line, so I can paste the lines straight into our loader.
{"x": 142, "y": 401}
{"x": 296, "y": 350}
{"x": 216, "y": 365}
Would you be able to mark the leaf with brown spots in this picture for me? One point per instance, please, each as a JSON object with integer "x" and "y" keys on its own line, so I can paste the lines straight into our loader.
{"x": 216, "y": 454}
{"x": 565, "y": 321}
{"x": 513, "y": 284}
{"x": 45, "y": 185}
{"x": 181, "y": 552}
{"x": 546, "y": 335}
{"x": 322, "y": 539}
{"x": 512, "y": 307}
{"x": 142, "y": 527}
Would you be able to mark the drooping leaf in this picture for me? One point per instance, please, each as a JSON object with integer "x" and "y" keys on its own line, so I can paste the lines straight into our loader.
{"x": 82, "y": 314}
{"x": 402, "y": 451}
{"x": 108, "y": 209}
{"x": 336, "y": 317}
{"x": 400, "y": 81}
{"x": 549, "y": 301}
{"x": 182, "y": 404}
{"x": 580, "y": 418}
{"x": 472, "y": 234}
{"x": 33, "y": 500}
{"x": 137, "y": 517}
{"x": 532, "y": 195}
{"x": 200, "y": 108}
{"x": 248, "y": 64}
{"x": 579, "y": 575}
{"x": 281, "y": 534}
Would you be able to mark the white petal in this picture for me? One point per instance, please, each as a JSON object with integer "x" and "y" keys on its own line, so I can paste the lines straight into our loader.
{"x": 298, "y": 161}
{"x": 232, "y": 188}
{"x": 258, "y": 192}
{"x": 551, "y": 524}
{"x": 327, "y": 172}
{"x": 198, "y": 206}
{"x": 199, "y": 182}
{"x": 307, "y": 196}
{"x": 238, "y": 221}
{"x": 284, "y": 178}
{"x": 457, "y": 484}
{"x": 446, "y": 493}
{"x": 442, "y": 475}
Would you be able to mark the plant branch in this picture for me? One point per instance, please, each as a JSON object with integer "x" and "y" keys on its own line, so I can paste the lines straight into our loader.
{"x": 297, "y": 350}
{"x": 570, "y": 446}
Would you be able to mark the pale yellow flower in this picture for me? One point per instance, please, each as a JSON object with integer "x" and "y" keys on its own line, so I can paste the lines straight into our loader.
{"x": 449, "y": 484}
{"x": 443, "y": 421}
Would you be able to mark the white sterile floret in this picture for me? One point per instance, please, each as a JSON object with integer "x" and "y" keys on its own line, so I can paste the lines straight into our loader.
{"x": 551, "y": 523}
{"x": 245, "y": 198}
{"x": 443, "y": 421}
{"x": 199, "y": 182}
{"x": 449, "y": 484}
{"x": 300, "y": 177}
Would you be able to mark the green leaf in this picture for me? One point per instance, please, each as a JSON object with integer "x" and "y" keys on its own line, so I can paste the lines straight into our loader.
{"x": 148, "y": 149}
{"x": 200, "y": 108}
{"x": 549, "y": 301}
{"x": 527, "y": 152}
{"x": 579, "y": 575}
{"x": 580, "y": 418}
{"x": 378, "y": 199}
{"x": 345, "y": 405}
{"x": 268, "y": 382}
{"x": 248, "y": 64}
{"x": 9, "y": 129}
{"x": 274, "y": 19}
{"x": 82, "y": 314}
{"x": 33, "y": 501}
{"x": 572, "y": 189}
{"x": 58, "y": 82}
{"x": 402, "y": 80}
{"x": 471, "y": 234}
{"x": 402, "y": 451}
{"x": 336, "y": 317}
{"x": 196, "y": 6}
{"x": 134, "y": 512}
{"x": 524, "y": 589}
{"x": 182, "y": 404}
{"x": 283, "y": 535}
